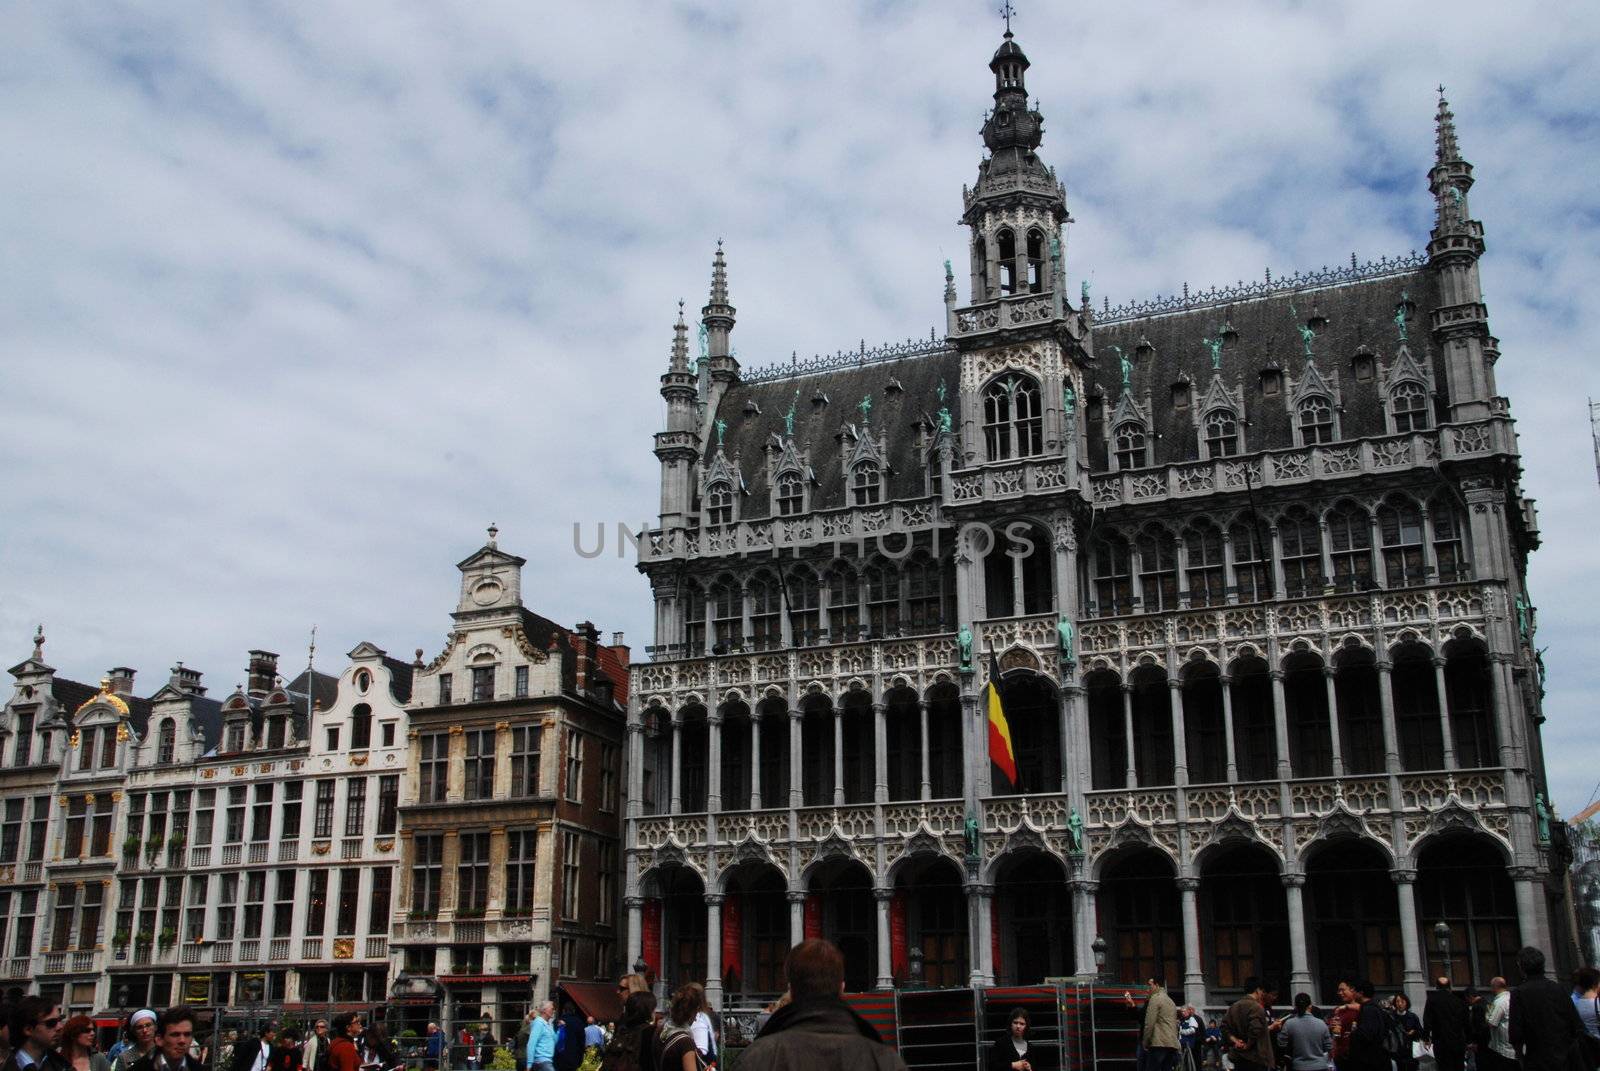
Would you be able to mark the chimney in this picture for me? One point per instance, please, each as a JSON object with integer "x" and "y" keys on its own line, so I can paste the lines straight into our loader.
{"x": 262, "y": 670}
{"x": 120, "y": 679}
{"x": 186, "y": 680}
{"x": 585, "y": 636}
{"x": 620, "y": 649}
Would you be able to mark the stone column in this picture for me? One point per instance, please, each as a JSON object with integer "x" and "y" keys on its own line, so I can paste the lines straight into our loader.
{"x": 1299, "y": 962}
{"x": 635, "y": 769}
{"x": 714, "y": 763}
{"x": 1391, "y": 740}
{"x": 880, "y": 753}
{"x": 1127, "y": 731}
{"x": 838, "y": 756}
{"x": 677, "y": 764}
{"x": 797, "y": 916}
{"x": 456, "y": 770}
{"x": 1230, "y": 578}
{"x": 796, "y": 760}
{"x": 1280, "y": 722}
{"x": 1410, "y": 936}
{"x": 922, "y": 720}
{"x": 1333, "y": 721}
{"x": 1327, "y": 554}
{"x": 885, "y": 951}
{"x": 1227, "y": 727}
{"x": 973, "y": 779}
{"x": 1430, "y": 558}
{"x": 1275, "y": 548}
{"x": 714, "y": 950}
{"x": 1083, "y": 918}
{"x": 498, "y": 849}
{"x": 1500, "y": 669}
{"x": 755, "y": 760}
{"x": 1180, "y": 752}
{"x": 635, "y": 906}
{"x": 1530, "y": 907}
{"x": 982, "y": 897}
{"x": 1194, "y": 979}
{"x": 1447, "y": 733}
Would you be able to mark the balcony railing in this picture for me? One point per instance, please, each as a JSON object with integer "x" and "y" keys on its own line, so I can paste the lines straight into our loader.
{"x": 19, "y": 967}
{"x": 377, "y": 948}
{"x": 199, "y": 857}
{"x": 55, "y": 962}
{"x": 350, "y": 848}
{"x": 278, "y": 950}
{"x": 258, "y": 851}
{"x": 311, "y": 948}
{"x": 222, "y": 952}
{"x": 190, "y": 953}
{"x": 288, "y": 851}
{"x": 230, "y": 854}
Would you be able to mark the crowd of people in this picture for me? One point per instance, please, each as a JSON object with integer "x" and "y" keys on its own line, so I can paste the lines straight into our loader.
{"x": 1537, "y": 1025}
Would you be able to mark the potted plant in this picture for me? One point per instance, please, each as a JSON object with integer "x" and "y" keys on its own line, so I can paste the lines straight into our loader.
{"x": 143, "y": 937}
{"x": 131, "y": 845}
{"x": 154, "y": 847}
{"x": 120, "y": 939}
{"x": 169, "y": 937}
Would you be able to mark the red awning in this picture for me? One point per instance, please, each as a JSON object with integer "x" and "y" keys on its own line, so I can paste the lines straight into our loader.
{"x": 596, "y": 999}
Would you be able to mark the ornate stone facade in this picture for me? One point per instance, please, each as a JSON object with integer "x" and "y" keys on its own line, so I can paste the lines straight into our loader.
{"x": 1251, "y": 564}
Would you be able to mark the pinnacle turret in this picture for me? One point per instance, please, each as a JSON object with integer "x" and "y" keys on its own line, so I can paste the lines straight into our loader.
{"x": 717, "y": 317}
{"x": 680, "y": 344}
{"x": 1446, "y": 149}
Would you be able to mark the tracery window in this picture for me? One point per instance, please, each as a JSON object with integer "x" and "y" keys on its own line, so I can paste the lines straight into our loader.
{"x": 791, "y": 495}
{"x": 1350, "y": 548}
{"x": 1316, "y": 421}
{"x": 844, "y": 603}
{"x": 1129, "y": 443}
{"x": 694, "y": 618}
{"x": 765, "y": 600}
{"x": 1007, "y": 243}
{"x": 925, "y": 594}
{"x": 1113, "y": 575}
{"x": 1252, "y": 569}
{"x": 883, "y": 599}
{"x": 1158, "y": 570}
{"x": 1222, "y": 433}
{"x": 1400, "y": 526}
{"x": 1301, "y": 541}
{"x": 1410, "y": 404}
{"x": 866, "y": 482}
{"x": 804, "y": 599}
{"x": 727, "y": 616}
{"x": 1447, "y": 550}
{"x": 1035, "y": 262}
{"x": 719, "y": 504}
{"x": 1013, "y": 423}
{"x": 1203, "y": 548}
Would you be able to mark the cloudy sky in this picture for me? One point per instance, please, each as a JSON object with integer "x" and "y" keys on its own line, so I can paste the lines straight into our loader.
{"x": 296, "y": 300}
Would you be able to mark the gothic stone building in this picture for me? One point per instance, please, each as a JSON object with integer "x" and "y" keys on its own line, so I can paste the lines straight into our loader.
{"x": 1251, "y": 563}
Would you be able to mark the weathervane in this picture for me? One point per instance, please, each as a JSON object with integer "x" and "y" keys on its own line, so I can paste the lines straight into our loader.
{"x": 1007, "y": 9}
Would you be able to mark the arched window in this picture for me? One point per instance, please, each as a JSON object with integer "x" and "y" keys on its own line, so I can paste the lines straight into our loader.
{"x": 1203, "y": 548}
{"x": 803, "y": 594}
{"x": 719, "y": 504}
{"x": 925, "y": 589}
{"x": 1222, "y": 433}
{"x": 883, "y": 599}
{"x": 1252, "y": 569}
{"x": 360, "y": 728}
{"x": 1447, "y": 552}
{"x": 1035, "y": 262}
{"x": 844, "y": 603}
{"x": 1016, "y": 570}
{"x": 1113, "y": 575}
{"x": 694, "y": 619}
{"x": 1316, "y": 421}
{"x": 727, "y": 616}
{"x": 167, "y": 741}
{"x": 1400, "y": 526}
{"x": 1013, "y": 424}
{"x": 791, "y": 495}
{"x": 1158, "y": 570}
{"x": 980, "y": 271}
{"x": 1008, "y": 262}
{"x": 1302, "y": 553}
{"x": 1410, "y": 403}
{"x": 1350, "y": 547}
{"x": 1130, "y": 446}
{"x": 866, "y": 482}
{"x": 766, "y": 632}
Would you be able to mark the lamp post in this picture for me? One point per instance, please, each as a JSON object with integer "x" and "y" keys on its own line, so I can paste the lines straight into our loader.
{"x": 1441, "y": 937}
{"x": 1099, "y": 946}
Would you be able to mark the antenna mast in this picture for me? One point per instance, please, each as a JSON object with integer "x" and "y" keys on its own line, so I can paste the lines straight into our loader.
{"x": 1594, "y": 432}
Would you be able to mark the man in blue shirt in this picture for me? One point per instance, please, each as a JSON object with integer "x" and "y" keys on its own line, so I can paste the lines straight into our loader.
{"x": 542, "y": 1039}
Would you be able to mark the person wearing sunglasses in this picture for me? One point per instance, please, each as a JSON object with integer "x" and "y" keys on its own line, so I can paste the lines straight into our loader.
{"x": 35, "y": 1031}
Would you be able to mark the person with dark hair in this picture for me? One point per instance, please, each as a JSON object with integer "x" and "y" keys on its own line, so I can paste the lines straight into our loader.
{"x": 1410, "y": 1028}
{"x": 377, "y": 1050}
{"x": 817, "y": 1029}
{"x": 252, "y": 1055}
{"x": 1586, "y": 999}
{"x": 6, "y": 1012}
{"x": 1158, "y": 1035}
{"x": 285, "y": 1055}
{"x": 1444, "y": 1023}
{"x": 1011, "y": 1051}
{"x": 344, "y": 1051}
{"x": 1308, "y": 1038}
{"x": 569, "y": 1036}
{"x": 35, "y": 1029}
{"x": 174, "y": 1038}
{"x": 1247, "y": 1026}
{"x": 1544, "y": 1024}
{"x": 1365, "y": 1051}
{"x": 631, "y": 1048}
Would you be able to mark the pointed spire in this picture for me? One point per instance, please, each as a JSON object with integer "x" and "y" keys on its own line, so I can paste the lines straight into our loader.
{"x": 719, "y": 277}
{"x": 680, "y": 343}
{"x": 1446, "y": 149}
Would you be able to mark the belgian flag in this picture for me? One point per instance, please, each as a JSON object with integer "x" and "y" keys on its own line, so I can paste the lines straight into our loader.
{"x": 1002, "y": 756}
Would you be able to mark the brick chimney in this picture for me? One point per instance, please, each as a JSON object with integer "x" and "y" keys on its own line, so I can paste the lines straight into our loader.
{"x": 585, "y": 638}
{"x": 263, "y": 670}
{"x": 620, "y": 649}
{"x": 121, "y": 680}
{"x": 186, "y": 680}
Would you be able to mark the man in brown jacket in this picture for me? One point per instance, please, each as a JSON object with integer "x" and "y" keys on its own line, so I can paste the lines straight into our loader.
{"x": 817, "y": 1030}
{"x": 1247, "y": 1028}
{"x": 1158, "y": 1041}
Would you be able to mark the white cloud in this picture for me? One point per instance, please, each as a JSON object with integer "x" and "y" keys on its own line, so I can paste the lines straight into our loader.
{"x": 294, "y": 301}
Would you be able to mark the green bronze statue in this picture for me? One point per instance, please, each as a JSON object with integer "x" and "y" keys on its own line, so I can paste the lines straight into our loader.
{"x": 1064, "y": 639}
{"x": 1215, "y": 346}
{"x": 964, "y": 642}
{"x": 1127, "y": 368}
{"x": 1541, "y": 811}
{"x": 1306, "y": 334}
{"x": 1522, "y": 619}
{"x": 1075, "y": 831}
{"x": 949, "y": 272}
{"x": 1069, "y": 398}
{"x": 1400, "y": 317}
{"x": 865, "y": 405}
{"x": 788, "y": 418}
{"x": 969, "y": 833}
{"x": 722, "y": 429}
{"x": 1083, "y": 291}
{"x": 945, "y": 420}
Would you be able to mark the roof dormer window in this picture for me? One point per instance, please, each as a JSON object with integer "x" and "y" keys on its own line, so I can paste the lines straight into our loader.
{"x": 719, "y": 504}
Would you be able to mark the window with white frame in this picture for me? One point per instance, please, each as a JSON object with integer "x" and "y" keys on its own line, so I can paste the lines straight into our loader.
{"x": 791, "y": 495}
{"x": 1128, "y": 442}
{"x": 1222, "y": 433}
{"x": 571, "y": 852}
{"x": 719, "y": 503}
{"x": 1409, "y": 401}
{"x": 1316, "y": 421}
{"x": 480, "y": 764}
{"x": 525, "y": 760}
{"x": 866, "y": 483}
{"x": 574, "y": 766}
{"x": 1013, "y": 422}
{"x": 522, "y": 854}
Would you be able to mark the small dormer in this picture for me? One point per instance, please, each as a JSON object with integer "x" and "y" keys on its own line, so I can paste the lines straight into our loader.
{"x": 491, "y": 579}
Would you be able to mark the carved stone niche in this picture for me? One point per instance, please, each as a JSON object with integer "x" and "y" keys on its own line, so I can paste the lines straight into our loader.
{"x": 1020, "y": 658}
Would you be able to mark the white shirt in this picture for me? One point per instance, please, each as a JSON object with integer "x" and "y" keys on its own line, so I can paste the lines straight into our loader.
{"x": 1499, "y": 1019}
{"x": 701, "y": 1029}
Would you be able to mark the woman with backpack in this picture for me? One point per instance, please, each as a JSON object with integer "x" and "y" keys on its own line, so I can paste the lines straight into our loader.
{"x": 675, "y": 1047}
{"x": 632, "y": 1046}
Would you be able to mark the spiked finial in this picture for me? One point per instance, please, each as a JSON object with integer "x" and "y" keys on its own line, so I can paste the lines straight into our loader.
{"x": 719, "y": 277}
{"x": 1445, "y": 138}
{"x": 680, "y": 343}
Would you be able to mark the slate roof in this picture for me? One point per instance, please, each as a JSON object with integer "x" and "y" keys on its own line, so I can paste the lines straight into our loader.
{"x": 611, "y": 665}
{"x": 894, "y": 414}
{"x": 400, "y": 674}
{"x": 325, "y": 688}
{"x": 73, "y": 694}
{"x": 1358, "y": 314}
{"x": 207, "y": 713}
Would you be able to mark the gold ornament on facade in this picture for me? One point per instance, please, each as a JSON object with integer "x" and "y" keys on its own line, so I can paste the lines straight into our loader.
{"x": 457, "y": 730}
{"x": 358, "y": 760}
{"x": 383, "y": 845}
{"x": 240, "y": 771}
{"x": 344, "y": 947}
{"x": 116, "y": 796}
{"x": 209, "y": 773}
{"x": 502, "y": 726}
{"x": 264, "y": 767}
{"x": 104, "y": 695}
{"x": 75, "y": 740}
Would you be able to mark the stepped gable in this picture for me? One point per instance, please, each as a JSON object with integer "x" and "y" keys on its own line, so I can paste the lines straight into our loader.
{"x": 894, "y": 414}
{"x": 1359, "y": 314}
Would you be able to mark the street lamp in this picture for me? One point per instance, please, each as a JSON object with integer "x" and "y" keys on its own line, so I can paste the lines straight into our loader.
{"x": 1099, "y": 947}
{"x": 1441, "y": 937}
